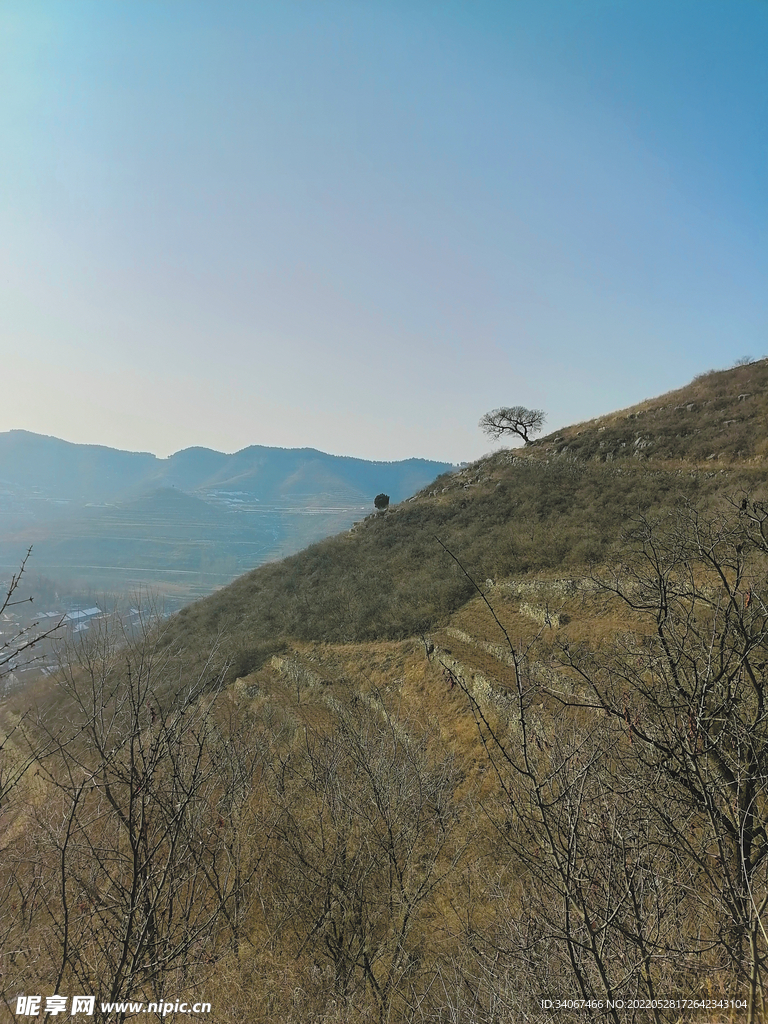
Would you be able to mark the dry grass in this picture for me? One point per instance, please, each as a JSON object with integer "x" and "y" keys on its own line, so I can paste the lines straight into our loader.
{"x": 334, "y": 644}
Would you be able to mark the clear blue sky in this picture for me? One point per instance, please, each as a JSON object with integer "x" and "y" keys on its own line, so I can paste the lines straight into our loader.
{"x": 360, "y": 225}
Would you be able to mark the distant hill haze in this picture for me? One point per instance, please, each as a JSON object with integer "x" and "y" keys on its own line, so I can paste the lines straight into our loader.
{"x": 113, "y": 519}
{"x": 58, "y": 470}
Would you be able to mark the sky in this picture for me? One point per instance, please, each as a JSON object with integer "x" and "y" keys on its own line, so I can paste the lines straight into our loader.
{"x": 358, "y": 226}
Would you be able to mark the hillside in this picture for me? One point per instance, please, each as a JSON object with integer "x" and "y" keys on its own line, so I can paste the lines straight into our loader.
{"x": 501, "y": 745}
{"x": 720, "y": 417}
{"x": 560, "y": 504}
{"x": 385, "y": 619}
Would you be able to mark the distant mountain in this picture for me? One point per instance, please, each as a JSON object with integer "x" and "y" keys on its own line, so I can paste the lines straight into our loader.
{"x": 113, "y": 519}
{"x": 60, "y": 470}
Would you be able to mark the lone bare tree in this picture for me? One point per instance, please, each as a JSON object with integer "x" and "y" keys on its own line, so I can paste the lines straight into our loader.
{"x": 514, "y": 419}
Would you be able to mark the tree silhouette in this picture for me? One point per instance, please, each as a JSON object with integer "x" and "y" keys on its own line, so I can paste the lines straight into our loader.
{"x": 515, "y": 419}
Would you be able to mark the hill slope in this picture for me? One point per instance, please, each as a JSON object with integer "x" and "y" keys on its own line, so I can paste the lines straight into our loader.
{"x": 559, "y": 504}
{"x": 559, "y": 787}
{"x": 719, "y": 417}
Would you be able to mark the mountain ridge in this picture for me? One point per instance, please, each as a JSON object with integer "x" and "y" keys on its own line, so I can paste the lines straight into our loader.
{"x": 719, "y": 416}
{"x": 94, "y": 512}
{"x": 33, "y": 459}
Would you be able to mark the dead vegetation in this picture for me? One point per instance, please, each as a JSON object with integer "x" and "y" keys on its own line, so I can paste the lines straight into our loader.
{"x": 544, "y": 779}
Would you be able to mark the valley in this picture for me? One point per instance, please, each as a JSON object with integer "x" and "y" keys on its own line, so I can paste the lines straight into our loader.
{"x": 114, "y": 523}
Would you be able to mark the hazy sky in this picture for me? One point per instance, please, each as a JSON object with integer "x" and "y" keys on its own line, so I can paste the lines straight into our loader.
{"x": 358, "y": 226}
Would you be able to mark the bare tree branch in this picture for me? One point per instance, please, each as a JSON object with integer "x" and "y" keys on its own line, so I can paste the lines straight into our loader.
{"x": 515, "y": 419}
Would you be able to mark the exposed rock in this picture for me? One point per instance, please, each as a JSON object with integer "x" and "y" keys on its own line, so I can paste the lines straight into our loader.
{"x": 541, "y": 615}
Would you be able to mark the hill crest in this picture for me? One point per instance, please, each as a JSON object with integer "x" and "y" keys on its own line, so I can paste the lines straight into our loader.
{"x": 720, "y": 416}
